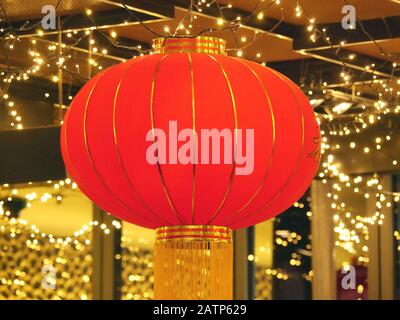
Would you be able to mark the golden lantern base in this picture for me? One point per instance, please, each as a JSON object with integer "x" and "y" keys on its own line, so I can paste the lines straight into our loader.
{"x": 193, "y": 262}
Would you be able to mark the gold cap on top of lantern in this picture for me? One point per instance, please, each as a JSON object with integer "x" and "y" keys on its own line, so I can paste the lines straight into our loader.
{"x": 194, "y": 233}
{"x": 198, "y": 44}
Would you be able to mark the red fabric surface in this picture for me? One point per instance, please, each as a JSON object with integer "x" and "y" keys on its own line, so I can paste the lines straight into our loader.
{"x": 104, "y": 142}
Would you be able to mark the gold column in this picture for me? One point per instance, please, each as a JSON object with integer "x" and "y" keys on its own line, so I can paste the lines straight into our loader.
{"x": 323, "y": 244}
{"x": 193, "y": 262}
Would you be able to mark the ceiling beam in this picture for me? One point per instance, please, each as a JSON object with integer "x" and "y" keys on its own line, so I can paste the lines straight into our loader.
{"x": 376, "y": 67}
{"x": 154, "y": 8}
{"x": 316, "y": 75}
{"x": 321, "y": 70}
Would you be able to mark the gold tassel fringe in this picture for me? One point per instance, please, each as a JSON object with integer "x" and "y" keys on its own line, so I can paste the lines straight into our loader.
{"x": 193, "y": 262}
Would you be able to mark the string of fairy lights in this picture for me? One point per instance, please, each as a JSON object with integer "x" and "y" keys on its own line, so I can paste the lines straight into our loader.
{"x": 38, "y": 265}
{"x": 351, "y": 227}
{"x": 47, "y": 58}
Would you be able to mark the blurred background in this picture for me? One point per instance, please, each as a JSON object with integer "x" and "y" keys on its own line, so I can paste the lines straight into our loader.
{"x": 56, "y": 244}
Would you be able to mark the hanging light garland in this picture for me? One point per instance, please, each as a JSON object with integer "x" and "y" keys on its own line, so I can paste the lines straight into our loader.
{"x": 351, "y": 228}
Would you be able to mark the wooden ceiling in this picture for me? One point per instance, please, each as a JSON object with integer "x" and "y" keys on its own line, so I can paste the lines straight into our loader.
{"x": 18, "y": 10}
{"x": 278, "y": 38}
{"x": 274, "y": 47}
{"x": 325, "y": 11}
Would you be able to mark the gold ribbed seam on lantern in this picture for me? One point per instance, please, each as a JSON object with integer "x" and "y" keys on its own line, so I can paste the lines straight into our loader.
{"x": 193, "y": 262}
{"x": 199, "y": 44}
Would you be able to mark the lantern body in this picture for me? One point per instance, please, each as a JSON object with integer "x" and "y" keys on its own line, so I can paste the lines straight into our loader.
{"x": 133, "y": 141}
{"x": 110, "y": 125}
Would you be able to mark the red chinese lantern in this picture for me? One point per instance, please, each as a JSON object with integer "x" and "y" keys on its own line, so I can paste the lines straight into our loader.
{"x": 190, "y": 84}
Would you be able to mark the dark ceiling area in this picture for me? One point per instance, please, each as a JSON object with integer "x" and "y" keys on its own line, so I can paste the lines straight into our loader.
{"x": 304, "y": 40}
